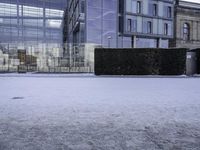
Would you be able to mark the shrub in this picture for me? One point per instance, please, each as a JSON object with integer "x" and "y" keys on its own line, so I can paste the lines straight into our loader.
{"x": 140, "y": 61}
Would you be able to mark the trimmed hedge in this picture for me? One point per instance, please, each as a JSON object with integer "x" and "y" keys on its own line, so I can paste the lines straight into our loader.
{"x": 140, "y": 61}
{"x": 173, "y": 61}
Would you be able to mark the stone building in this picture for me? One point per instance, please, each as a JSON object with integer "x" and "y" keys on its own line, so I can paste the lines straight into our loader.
{"x": 186, "y": 25}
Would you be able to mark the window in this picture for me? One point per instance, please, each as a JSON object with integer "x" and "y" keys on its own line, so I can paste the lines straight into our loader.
{"x": 155, "y": 10}
{"x": 149, "y": 27}
{"x": 139, "y": 7}
{"x": 120, "y": 7}
{"x": 82, "y": 7}
{"x": 53, "y": 23}
{"x": 53, "y": 13}
{"x": 82, "y": 29}
{"x": 129, "y": 25}
{"x": 169, "y": 12}
{"x": 32, "y": 11}
{"x": 166, "y": 29}
{"x": 186, "y": 32}
{"x": 8, "y": 9}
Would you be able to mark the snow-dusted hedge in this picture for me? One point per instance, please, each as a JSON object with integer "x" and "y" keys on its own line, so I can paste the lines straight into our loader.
{"x": 140, "y": 61}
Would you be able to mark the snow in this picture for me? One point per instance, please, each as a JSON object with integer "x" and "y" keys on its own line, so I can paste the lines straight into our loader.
{"x": 74, "y": 112}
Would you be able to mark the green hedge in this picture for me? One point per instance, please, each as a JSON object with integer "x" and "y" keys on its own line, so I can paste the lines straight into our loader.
{"x": 140, "y": 61}
{"x": 173, "y": 61}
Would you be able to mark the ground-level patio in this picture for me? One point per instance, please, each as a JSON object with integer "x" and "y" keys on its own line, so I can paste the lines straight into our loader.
{"x": 74, "y": 112}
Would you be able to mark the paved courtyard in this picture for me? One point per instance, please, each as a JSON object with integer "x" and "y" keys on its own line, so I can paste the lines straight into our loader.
{"x": 69, "y": 112}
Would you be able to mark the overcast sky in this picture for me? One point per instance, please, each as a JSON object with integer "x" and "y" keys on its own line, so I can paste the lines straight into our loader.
{"x": 197, "y": 1}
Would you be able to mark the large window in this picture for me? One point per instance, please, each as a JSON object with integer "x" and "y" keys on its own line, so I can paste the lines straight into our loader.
{"x": 169, "y": 12}
{"x": 8, "y": 9}
{"x": 51, "y": 23}
{"x": 32, "y": 11}
{"x": 186, "y": 31}
{"x": 82, "y": 7}
{"x": 149, "y": 27}
{"x": 102, "y": 22}
{"x": 166, "y": 29}
{"x": 155, "y": 10}
{"x": 129, "y": 25}
{"x": 31, "y": 23}
{"x": 139, "y": 7}
{"x": 54, "y": 13}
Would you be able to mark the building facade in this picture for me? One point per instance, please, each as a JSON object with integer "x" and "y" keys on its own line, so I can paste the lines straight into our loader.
{"x": 187, "y": 25}
{"x": 32, "y": 25}
{"x": 120, "y": 23}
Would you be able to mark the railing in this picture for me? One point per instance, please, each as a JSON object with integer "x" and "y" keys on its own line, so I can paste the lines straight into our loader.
{"x": 56, "y": 69}
{"x": 68, "y": 58}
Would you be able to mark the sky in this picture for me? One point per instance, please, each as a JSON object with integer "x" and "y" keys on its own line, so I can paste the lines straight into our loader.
{"x": 196, "y": 1}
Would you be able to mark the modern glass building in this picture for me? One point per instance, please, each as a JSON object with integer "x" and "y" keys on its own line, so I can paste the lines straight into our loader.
{"x": 32, "y": 25}
{"x": 121, "y": 23}
{"x": 92, "y": 21}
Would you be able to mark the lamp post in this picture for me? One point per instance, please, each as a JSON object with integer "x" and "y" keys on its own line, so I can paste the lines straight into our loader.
{"x": 109, "y": 38}
{"x": 8, "y": 58}
{"x": 31, "y": 55}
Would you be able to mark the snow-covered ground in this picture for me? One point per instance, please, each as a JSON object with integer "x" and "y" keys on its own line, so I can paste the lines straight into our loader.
{"x": 99, "y": 113}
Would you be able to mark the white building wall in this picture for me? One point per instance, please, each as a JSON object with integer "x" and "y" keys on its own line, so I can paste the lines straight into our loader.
{"x": 160, "y": 24}
{"x": 139, "y": 24}
{"x": 155, "y": 26}
{"x": 145, "y": 7}
{"x": 160, "y": 8}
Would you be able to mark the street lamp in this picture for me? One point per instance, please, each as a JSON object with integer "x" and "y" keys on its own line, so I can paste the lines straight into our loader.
{"x": 8, "y": 58}
{"x": 109, "y": 38}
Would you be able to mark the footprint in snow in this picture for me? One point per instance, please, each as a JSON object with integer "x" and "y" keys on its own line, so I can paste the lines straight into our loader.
{"x": 18, "y": 98}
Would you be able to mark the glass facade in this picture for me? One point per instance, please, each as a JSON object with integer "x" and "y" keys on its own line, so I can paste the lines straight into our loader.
{"x": 32, "y": 24}
{"x": 93, "y": 21}
{"x": 76, "y": 21}
{"x": 101, "y": 22}
{"x": 115, "y": 23}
